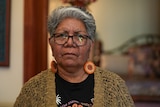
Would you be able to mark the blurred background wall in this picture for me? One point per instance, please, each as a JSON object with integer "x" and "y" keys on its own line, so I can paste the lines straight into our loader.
{"x": 117, "y": 21}
{"x": 11, "y": 78}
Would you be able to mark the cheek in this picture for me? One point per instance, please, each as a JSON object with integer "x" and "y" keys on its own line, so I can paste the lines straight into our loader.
{"x": 85, "y": 53}
{"x": 55, "y": 50}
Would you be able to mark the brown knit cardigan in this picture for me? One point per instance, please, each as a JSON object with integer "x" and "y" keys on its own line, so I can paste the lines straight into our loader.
{"x": 109, "y": 91}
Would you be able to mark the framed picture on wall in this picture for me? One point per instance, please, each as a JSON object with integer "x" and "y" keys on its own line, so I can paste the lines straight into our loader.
{"x": 4, "y": 32}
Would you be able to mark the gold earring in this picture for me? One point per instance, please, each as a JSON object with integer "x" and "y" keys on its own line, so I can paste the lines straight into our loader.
{"x": 89, "y": 67}
{"x": 54, "y": 66}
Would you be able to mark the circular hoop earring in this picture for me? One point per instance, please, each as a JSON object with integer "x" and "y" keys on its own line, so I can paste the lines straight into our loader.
{"x": 53, "y": 66}
{"x": 89, "y": 67}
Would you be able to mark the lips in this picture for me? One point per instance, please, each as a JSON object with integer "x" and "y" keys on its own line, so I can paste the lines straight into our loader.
{"x": 69, "y": 54}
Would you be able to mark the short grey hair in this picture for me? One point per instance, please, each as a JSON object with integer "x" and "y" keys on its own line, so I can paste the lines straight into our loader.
{"x": 63, "y": 12}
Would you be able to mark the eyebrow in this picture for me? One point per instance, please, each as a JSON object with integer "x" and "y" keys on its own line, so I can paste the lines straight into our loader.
{"x": 65, "y": 31}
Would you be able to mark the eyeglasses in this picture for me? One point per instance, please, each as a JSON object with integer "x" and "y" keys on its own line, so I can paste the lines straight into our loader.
{"x": 77, "y": 38}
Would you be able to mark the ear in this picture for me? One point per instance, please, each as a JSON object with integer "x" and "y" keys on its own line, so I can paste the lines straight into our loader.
{"x": 51, "y": 47}
{"x": 91, "y": 51}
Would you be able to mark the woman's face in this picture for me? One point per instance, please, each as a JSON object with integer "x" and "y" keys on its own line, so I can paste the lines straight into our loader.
{"x": 69, "y": 54}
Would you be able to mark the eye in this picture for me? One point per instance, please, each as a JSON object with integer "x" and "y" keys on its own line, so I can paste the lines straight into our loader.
{"x": 81, "y": 37}
{"x": 61, "y": 35}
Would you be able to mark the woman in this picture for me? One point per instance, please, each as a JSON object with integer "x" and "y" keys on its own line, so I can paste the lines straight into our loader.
{"x": 73, "y": 81}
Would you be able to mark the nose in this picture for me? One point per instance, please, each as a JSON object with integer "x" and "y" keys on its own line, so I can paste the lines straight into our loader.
{"x": 70, "y": 41}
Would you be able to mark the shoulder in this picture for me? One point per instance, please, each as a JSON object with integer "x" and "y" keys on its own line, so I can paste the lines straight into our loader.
{"x": 113, "y": 88}
{"x": 35, "y": 89}
{"x": 39, "y": 78}
{"x": 107, "y": 75}
{"x": 37, "y": 83}
{"x": 110, "y": 81}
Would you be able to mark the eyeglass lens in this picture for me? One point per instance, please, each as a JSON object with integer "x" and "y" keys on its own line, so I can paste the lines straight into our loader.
{"x": 77, "y": 38}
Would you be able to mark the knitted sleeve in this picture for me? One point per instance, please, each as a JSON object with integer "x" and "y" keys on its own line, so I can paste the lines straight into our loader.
{"x": 33, "y": 92}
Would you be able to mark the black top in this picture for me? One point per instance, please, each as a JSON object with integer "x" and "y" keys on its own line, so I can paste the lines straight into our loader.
{"x": 69, "y": 94}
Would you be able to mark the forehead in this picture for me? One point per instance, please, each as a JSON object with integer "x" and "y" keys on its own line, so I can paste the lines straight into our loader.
{"x": 71, "y": 24}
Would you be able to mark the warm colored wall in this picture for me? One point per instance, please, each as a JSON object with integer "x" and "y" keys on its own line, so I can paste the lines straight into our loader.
{"x": 119, "y": 20}
{"x": 11, "y": 77}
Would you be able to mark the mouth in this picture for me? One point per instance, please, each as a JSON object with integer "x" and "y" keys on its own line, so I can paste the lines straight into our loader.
{"x": 70, "y": 54}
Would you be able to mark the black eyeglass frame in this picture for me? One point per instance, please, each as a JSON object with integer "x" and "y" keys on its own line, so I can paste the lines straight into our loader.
{"x": 64, "y": 35}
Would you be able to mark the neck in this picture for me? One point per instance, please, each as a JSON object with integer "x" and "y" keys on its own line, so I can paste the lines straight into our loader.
{"x": 72, "y": 75}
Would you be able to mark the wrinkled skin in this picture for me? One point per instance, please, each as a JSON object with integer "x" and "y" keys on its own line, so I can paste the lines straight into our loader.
{"x": 70, "y": 57}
